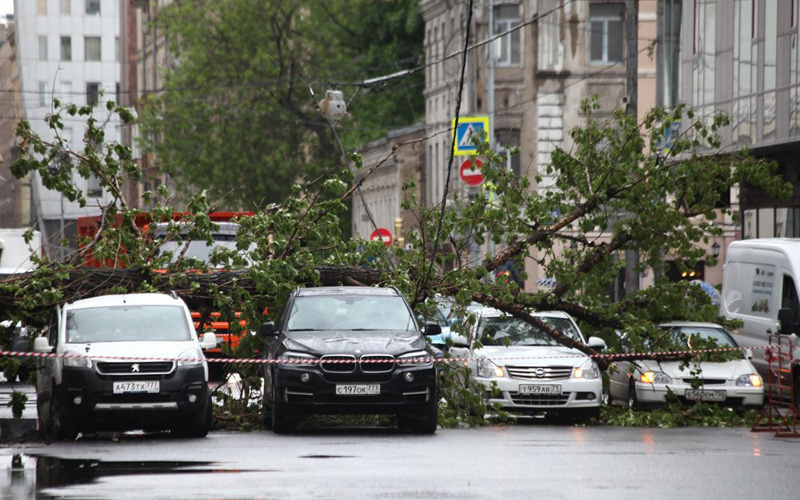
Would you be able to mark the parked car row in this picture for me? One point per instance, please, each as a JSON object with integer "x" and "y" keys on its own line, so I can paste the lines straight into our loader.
{"x": 347, "y": 350}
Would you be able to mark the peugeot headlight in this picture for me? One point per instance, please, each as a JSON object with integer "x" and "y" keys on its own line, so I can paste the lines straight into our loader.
{"x": 416, "y": 358}
{"x": 749, "y": 380}
{"x": 487, "y": 369}
{"x": 650, "y": 377}
{"x": 296, "y": 358}
{"x": 79, "y": 361}
{"x": 589, "y": 370}
{"x": 192, "y": 357}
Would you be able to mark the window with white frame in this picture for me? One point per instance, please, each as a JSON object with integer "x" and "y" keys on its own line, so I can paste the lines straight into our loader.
{"x": 44, "y": 93}
{"x": 91, "y": 48}
{"x": 66, "y": 48}
{"x": 607, "y": 37}
{"x": 65, "y": 91}
{"x": 92, "y": 93}
{"x": 43, "y": 48}
{"x": 66, "y": 7}
{"x": 92, "y": 7}
{"x": 93, "y": 187}
{"x": 507, "y": 48}
{"x": 41, "y": 8}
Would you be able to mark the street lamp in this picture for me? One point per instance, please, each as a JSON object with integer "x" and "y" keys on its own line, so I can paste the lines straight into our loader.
{"x": 715, "y": 249}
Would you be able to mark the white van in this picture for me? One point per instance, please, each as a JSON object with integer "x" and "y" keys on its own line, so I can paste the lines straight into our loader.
{"x": 15, "y": 253}
{"x": 91, "y": 386}
{"x": 759, "y": 287}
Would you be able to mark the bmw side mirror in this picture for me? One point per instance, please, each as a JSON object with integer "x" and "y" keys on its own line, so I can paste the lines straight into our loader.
{"x": 267, "y": 329}
{"x": 40, "y": 344}
{"x": 208, "y": 340}
{"x": 596, "y": 343}
{"x": 433, "y": 329}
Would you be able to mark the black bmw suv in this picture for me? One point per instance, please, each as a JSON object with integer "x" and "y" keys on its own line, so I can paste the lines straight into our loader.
{"x": 350, "y": 350}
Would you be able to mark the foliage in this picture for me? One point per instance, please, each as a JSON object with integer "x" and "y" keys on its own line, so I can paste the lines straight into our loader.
{"x": 17, "y": 403}
{"x": 676, "y": 414}
{"x": 572, "y": 232}
{"x": 237, "y": 118}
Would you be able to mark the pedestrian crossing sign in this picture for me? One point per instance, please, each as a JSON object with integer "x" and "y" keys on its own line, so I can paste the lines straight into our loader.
{"x": 468, "y": 128}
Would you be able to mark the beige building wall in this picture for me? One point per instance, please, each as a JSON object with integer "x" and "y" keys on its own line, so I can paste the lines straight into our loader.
{"x": 14, "y": 194}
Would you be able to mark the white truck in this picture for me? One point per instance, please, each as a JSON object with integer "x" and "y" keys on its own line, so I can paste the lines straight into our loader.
{"x": 759, "y": 287}
{"x": 15, "y": 253}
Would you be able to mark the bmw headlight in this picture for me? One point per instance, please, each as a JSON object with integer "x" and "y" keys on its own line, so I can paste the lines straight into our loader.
{"x": 296, "y": 358}
{"x": 589, "y": 370}
{"x": 487, "y": 369}
{"x": 749, "y": 380}
{"x": 416, "y": 359}
{"x": 79, "y": 361}
{"x": 650, "y": 377}
{"x": 192, "y": 357}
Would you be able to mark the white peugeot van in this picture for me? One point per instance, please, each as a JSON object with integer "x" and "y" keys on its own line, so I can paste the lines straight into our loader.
{"x": 166, "y": 388}
{"x": 759, "y": 287}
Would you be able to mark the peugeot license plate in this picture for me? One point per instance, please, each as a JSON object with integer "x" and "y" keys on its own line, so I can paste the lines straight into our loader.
{"x": 358, "y": 389}
{"x": 132, "y": 387}
{"x": 705, "y": 395}
{"x": 540, "y": 389}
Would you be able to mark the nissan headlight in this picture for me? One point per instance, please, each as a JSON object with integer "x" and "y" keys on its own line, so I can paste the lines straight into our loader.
{"x": 78, "y": 361}
{"x": 297, "y": 358}
{"x": 192, "y": 357}
{"x": 749, "y": 380}
{"x": 650, "y": 377}
{"x": 588, "y": 371}
{"x": 487, "y": 369}
{"x": 416, "y": 359}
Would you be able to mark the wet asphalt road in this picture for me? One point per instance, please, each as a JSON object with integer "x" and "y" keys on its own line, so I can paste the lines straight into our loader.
{"x": 522, "y": 461}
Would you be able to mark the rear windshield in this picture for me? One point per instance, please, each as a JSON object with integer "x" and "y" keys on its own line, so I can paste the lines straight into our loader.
{"x": 350, "y": 312}
{"x": 127, "y": 324}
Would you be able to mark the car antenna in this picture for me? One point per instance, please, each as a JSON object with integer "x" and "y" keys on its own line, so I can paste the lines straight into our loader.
{"x": 173, "y": 294}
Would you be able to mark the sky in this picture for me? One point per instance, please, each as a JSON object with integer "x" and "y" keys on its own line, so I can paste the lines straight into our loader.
{"x": 6, "y": 7}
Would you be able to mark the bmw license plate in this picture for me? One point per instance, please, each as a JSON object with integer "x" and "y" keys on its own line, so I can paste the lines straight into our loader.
{"x": 137, "y": 387}
{"x": 358, "y": 389}
{"x": 704, "y": 395}
{"x": 540, "y": 389}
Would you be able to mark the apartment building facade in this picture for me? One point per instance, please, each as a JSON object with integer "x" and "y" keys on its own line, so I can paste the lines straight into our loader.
{"x": 67, "y": 49}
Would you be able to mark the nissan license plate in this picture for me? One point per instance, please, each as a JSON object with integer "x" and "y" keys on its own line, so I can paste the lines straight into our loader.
{"x": 540, "y": 389}
{"x": 358, "y": 389}
{"x": 133, "y": 387}
{"x": 705, "y": 395}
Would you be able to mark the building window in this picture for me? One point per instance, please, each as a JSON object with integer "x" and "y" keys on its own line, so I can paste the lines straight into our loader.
{"x": 65, "y": 92}
{"x": 92, "y": 93}
{"x": 668, "y": 68}
{"x": 41, "y": 8}
{"x": 116, "y": 49}
{"x": 44, "y": 93}
{"x": 92, "y": 50}
{"x": 66, "y": 48}
{"x": 507, "y": 48}
{"x": 92, "y": 7}
{"x": 42, "y": 48}
{"x": 66, "y": 7}
{"x": 607, "y": 32}
{"x": 93, "y": 187}
{"x": 118, "y": 94}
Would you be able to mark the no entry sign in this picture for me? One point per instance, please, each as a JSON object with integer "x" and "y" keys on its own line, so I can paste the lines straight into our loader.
{"x": 471, "y": 176}
{"x": 381, "y": 234}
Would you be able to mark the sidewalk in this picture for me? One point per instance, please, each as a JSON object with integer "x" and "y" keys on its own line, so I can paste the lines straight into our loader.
{"x": 9, "y": 426}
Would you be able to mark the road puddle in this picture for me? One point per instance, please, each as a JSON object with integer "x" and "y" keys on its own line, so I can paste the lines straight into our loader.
{"x": 28, "y": 473}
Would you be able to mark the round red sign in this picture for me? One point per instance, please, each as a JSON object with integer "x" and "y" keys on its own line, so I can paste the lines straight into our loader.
{"x": 384, "y": 235}
{"x": 471, "y": 175}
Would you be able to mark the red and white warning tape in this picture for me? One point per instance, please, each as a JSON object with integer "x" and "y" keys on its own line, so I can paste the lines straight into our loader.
{"x": 335, "y": 360}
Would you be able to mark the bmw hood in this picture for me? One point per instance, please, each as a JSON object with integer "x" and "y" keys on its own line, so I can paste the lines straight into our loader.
{"x": 532, "y": 355}
{"x": 348, "y": 341}
{"x": 145, "y": 350}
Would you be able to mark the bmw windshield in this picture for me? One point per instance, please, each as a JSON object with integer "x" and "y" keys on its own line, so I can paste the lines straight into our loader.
{"x": 350, "y": 312}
